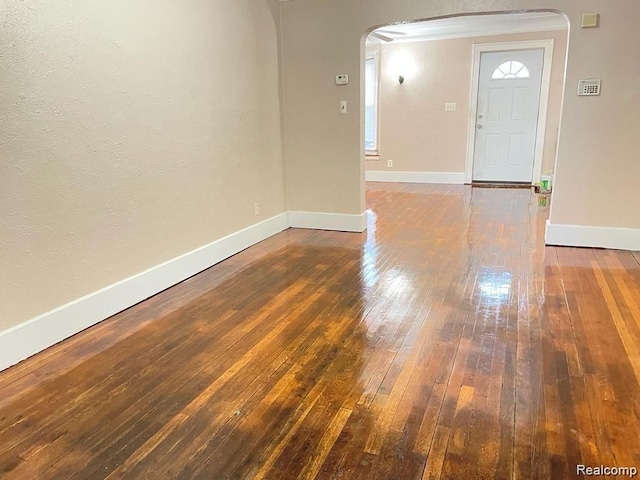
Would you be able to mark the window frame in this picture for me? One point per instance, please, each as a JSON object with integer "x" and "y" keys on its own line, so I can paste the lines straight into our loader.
{"x": 375, "y": 56}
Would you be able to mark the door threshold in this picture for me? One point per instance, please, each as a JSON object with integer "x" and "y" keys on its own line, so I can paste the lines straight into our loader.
{"x": 477, "y": 184}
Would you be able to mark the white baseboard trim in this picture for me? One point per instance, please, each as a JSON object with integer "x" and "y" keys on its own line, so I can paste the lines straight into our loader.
{"x": 599, "y": 237}
{"x": 456, "y": 178}
{"x": 35, "y": 335}
{"x": 329, "y": 221}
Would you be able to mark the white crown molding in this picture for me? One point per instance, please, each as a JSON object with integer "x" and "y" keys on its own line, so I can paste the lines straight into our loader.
{"x": 467, "y": 26}
{"x": 476, "y": 34}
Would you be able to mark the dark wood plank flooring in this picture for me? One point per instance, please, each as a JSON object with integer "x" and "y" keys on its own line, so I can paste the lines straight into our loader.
{"x": 445, "y": 342}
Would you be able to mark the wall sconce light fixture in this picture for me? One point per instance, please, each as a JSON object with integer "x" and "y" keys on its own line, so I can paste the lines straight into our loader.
{"x": 401, "y": 66}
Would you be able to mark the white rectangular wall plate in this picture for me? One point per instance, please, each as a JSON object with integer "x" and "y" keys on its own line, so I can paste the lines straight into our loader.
{"x": 590, "y": 20}
{"x": 589, "y": 87}
{"x": 342, "y": 79}
{"x": 343, "y": 106}
{"x": 450, "y": 107}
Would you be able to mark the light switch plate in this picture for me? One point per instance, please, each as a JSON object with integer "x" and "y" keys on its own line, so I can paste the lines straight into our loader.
{"x": 450, "y": 107}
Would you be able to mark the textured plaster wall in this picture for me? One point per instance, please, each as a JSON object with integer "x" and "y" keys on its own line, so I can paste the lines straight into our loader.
{"x": 415, "y": 130}
{"x": 130, "y": 133}
{"x": 597, "y": 169}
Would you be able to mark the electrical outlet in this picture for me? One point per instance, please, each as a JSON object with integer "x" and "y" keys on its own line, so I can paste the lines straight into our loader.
{"x": 256, "y": 209}
{"x": 389, "y": 163}
{"x": 450, "y": 107}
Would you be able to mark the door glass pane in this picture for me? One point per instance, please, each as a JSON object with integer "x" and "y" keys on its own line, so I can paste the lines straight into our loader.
{"x": 510, "y": 70}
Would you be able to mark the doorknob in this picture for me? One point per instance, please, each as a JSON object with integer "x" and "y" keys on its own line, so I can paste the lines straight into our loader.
{"x": 479, "y": 126}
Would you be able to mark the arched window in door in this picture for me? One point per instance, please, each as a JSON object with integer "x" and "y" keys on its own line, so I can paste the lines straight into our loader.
{"x": 510, "y": 70}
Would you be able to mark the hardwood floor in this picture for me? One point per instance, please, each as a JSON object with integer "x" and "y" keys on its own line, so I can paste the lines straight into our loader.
{"x": 445, "y": 342}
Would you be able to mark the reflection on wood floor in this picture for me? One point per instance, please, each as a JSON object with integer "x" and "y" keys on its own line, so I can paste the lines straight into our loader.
{"x": 445, "y": 342}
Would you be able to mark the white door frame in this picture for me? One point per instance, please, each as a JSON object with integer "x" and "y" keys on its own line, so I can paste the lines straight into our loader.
{"x": 478, "y": 49}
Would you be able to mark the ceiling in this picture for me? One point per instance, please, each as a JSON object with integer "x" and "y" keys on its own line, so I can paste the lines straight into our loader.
{"x": 469, "y": 26}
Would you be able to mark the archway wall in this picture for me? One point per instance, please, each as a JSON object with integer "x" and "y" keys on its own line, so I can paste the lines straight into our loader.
{"x": 597, "y": 167}
{"x": 416, "y": 132}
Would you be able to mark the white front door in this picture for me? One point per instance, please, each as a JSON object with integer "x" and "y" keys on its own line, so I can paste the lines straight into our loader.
{"x": 507, "y": 115}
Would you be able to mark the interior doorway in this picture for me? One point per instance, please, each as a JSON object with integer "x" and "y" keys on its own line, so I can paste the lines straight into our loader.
{"x": 422, "y": 81}
{"x": 508, "y": 112}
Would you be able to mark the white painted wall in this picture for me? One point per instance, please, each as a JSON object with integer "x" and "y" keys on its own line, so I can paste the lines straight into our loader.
{"x": 130, "y": 134}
